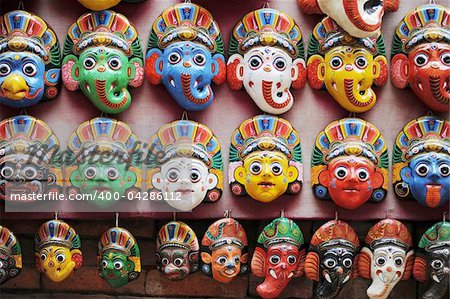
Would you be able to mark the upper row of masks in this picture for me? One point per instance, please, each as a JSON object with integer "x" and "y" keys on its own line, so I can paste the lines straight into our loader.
{"x": 103, "y": 57}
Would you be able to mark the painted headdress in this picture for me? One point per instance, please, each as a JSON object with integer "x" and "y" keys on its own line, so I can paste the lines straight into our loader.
{"x": 267, "y": 27}
{"x": 224, "y": 231}
{"x": 10, "y": 246}
{"x": 186, "y": 22}
{"x": 436, "y": 236}
{"x": 389, "y": 231}
{"x": 335, "y": 232}
{"x": 56, "y": 232}
{"x": 177, "y": 234}
{"x": 281, "y": 230}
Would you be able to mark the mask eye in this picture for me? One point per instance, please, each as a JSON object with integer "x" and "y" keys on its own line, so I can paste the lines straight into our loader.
{"x": 61, "y": 257}
{"x": 363, "y": 174}
{"x": 178, "y": 262}
{"x": 195, "y": 176}
{"x": 437, "y": 264}
{"x": 118, "y": 264}
{"x": 30, "y": 172}
{"x": 112, "y": 173}
{"x": 199, "y": 59}
{"x": 221, "y": 260}
{"x": 29, "y": 69}
{"x": 347, "y": 262}
{"x": 398, "y": 261}
{"x": 90, "y": 172}
{"x": 115, "y": 63}
{"x": 361, "y": 62}
{"x": 104, "y": 264}
{"x": 280, "y": 64}
{"x": 444, "y": 169}
{"x": 341, "y": 172}
{"x": 330, "y": 263}
{"x": 380, "y": 261}
{"x": 174, "y": 58}
{"x": 165, "y": 261}
{"x": 4, "y": 69}
{"x": 336, "y": 62}
{"x": 255, "y": 168}
{"x": 255, "y": 62}
{"x": 173, "y": 175}
{"x": 422, "y": 169}
{"x": 292, "y": 259}
{"x": 274, "y": 259}
{"x": 7, "y": 172}
{"x": 237, "y": 259}
{"x": 421, "y": 59}
{"x": 43, "y": 256}
{"x": 89, "y": 63}
{"x": 277, "y": 169}
{"x": 445, "y": 58}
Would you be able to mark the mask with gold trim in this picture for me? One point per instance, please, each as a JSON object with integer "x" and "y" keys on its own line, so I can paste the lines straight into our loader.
{"x": 10, "y": 255}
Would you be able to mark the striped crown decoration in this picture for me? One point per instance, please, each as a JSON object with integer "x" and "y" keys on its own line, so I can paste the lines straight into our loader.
{"x": 118, "y": 239}
{"x": 177, "y": 234}
{"x": 281, "y": 230}
{"x": 9, "y": 245}
{"x": 56, "y": 232}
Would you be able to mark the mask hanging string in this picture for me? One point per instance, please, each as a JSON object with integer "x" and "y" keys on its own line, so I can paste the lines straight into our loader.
{"x": 184, "y": 116}
{"x": 174, "y": 216}
{"x": 282, "y": 214}
{"x": 336, "y": 216}
{"x": 21, "y": 6}
{"x": 443, "y": 216}
{"x": 24, "y": 112}
{"x": 266, "y": 4}
{"x": 117, "y": 219}
{"x": 227, "y": 214}
{"x": 432, "y": 2}
{"x": 56, "y": 215}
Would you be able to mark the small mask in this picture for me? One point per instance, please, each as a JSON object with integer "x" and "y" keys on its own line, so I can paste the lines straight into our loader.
{"x": 30, "y": 158}
{"x": 387, "y": 258}
{"x": 360, "y": 18}
{"x": 350, "y": 163}
{"x": 185, "y": 53}
{"x": 118, "y": 257}
{"x": 57, "y": 250}
{"x": 331, "y": 256}
{"x": 30, "y": 60}
{"x": 103, "y": 56}
{"x": 265, "y": 159}
{"x": 177, "y": 250}
{"x": 346, "y": 66}
{"x": 224, "y": 250}
{"x": 421, "y": 55}
{"x": 267, "y": 58}
{"x": 421, "y": 161}
{"x": 278, "y": 256}
{"x": 185, "y": 160}
{"x": 104, "y": 4}
{"x": 101, "y": 158}
{"x": 10, "y": 255}
{"x": 433, "y": 260}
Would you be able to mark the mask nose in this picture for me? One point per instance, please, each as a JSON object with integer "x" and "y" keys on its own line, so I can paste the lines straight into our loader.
{"x": 349, "y": 67}
{"x": 389, "y": 269}
{"x": 267, "y": 68}
{"x": 51, "y": 264}
{"x": 230, "y": 266}
{"x": 186, "y": 64}
{"x": 15, "y": 83}
{"x": 101, "y": 68}
{"x": 434, "y": 64}
{"x": 339, "y": 270}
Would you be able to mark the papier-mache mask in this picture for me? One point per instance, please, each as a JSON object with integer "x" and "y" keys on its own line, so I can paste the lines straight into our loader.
{"x": 332, "y": 257}
{"x": 57, "y": 250}
{"x": 104, "y": 4}
{"x": 118, "y": 257}
{"x": 267, "y": 57}
{"x": 350, "y": 163}
{"x": 185, "y": 53}
{"x": 224, "y": 250}
{"x": 185, "y": 162}
{"x": 421, "y": 55}
{"x": 102, "y": 57}
{"x": 386, "y": 258}
{"x": 433, "y": 260}
{"x": 421, "y": 161}
{"x": 30, "y": 158}
{"x": 103, "y": 157}
{"x": 30, "y": 60}
{"x": 10, "y": 255}
{"x": 177, "y": 250}
{"x": 265, "y": 159}
{"x": 346, "y": 66}
{"x": 360, "y": 18}
{"x": 278, "y": 256}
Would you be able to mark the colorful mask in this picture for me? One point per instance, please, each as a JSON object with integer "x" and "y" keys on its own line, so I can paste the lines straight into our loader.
{"x": 30, "y": 60}
{"x": 57, "y": 250}
{"x": 185, "y": 53}
{"x": 102, "y": 56}
{"x": 102, "y": 158}
{"x": 278, "y": 256}
{"x": 185, "y": 160}
{"x": 10, "y": 255}
{"x": 350, "y": 163}
{"x": 265, "y": 159}
{"x": 387, "y": 258}
{"x": 177, "y": 250}
{"x": 267, "y": 57}
{"x": 224, "y": 250}
{"x": 346, "y": 66}
{"x": 433, "y": 260}
{"x": 331, "y": 257}
{"x": 421, "y": 55}
{"x": 119, "y": 259}
{"x": 360, "y": 18}
{"x": 421, "y": 161}
{"x": 29, "y": 155}
{"x": 104, "y": 4}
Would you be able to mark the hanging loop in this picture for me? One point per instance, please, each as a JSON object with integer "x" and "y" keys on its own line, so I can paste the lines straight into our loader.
{"x": 282, "y": 213}
{"x": 117, "y": 219}
{"x": 56, "y": 215}
{"x": 444, "y": 216}
{"x": 336, "y": 216}
{"x": 21, "y": 6}
{"x": 174, "y": 216}
{"x": 184, "y": 116}
{"x": 227, "y": 214}
{"x": 266, "y": 4}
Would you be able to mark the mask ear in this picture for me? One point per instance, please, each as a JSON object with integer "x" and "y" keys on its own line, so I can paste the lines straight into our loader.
{"x": 391, "y": 5}
{"x": 38, "y": 261}
{"x": 400, "y": 71}
{"x": 298, "y": 73}
{"x": 377, "y": 180}
{"x": 364, "y": 263}
{"x": 420, "y": 269}
{"x": 157, "y": 181}
{"x": 380, "y": 70}
{"x": 220, "y": 74}
{"x": 316, "y": 71}
{"x": 154, "y": 66}
{"x": 406, "y": 174}
{"x": 206, "y": 257}
{"x": 324, "y": 177}
{"x": 52, "y": 77}
{"x": 355, "y": 273}
{"x": 211, "y": 181}
{"x": 130, "y": 178}
{"x": 70, "y": 72}
{"x": 239, "y": 174}
{"x": 301, "y": 263}
{"x": 292, "y": 173}
{"x": 408, "y": 265}
{"x": 244, "y": 258}
{"x": 235, "y": 72}
{"x": 258, "y": 265}
{"x": 309, "y": 6}
{"x": 312, "y": 266}
{"x": 75, "y": 178}
{"x": 77, "y": 258}
{"x": 135, "y": 72}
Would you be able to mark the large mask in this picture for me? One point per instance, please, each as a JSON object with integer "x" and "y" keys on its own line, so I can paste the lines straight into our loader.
{"x": 102, "y": 158}
{"x": 30, "y": 60}
{"x": 57, "y": 250}
{"x": 346, "y": 66}
{"x": 331, "y": 258}
{"x": 185, "y": 53}
{"x": 10, "y": 255}
{"x": 265, "y": 159}
{"x": 278, "y": 257}
{"x": 29, "y": 158}
{"x": 350, "y": 163}
{"x": 360, "y": 18}
{"x": 104, "y": 4}
{"x": 433, "y": 260}
{"x": 421, "y": 161}
{"x": 185, "y": 162}
{"x": 177, "y": 250}
{"x": 119, "y": 258}
{"x": 267, "y": 57}
{"x": 102, "y": 56}
{"x": 224, "y": 250}
{"x": 421, "y": 55}
{"x": 387, "y": 257}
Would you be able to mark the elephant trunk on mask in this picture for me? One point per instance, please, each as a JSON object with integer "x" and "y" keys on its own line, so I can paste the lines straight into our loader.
{"x": 437, "y": 289}
{"x": 272, "y": 287}
{"x": 332, "y": 284}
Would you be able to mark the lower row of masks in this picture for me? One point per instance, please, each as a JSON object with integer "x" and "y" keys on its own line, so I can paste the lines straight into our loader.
{"x": 335, "y": 255}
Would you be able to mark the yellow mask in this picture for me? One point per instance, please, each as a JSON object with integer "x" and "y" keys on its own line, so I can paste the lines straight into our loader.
{"x": 56, "y": 262}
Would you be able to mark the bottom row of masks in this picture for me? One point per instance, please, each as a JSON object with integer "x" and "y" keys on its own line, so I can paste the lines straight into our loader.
{"x": 334, "y": 256}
